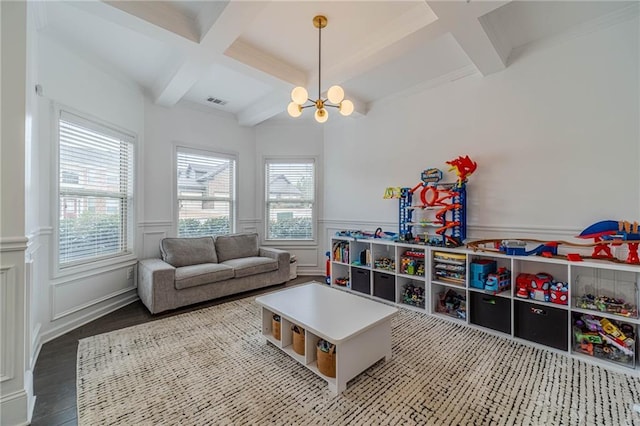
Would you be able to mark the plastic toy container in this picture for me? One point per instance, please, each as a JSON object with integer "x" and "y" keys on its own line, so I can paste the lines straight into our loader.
{"x": 604, "y": 291}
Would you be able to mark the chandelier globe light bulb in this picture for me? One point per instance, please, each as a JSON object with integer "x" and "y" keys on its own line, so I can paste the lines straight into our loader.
{"x": 335, "y": 94}
{"x": 294, "y": 109}
{"x": 346, "y": 107}
{"x": 299, "y": 95}
{"x": 321, "y": 115}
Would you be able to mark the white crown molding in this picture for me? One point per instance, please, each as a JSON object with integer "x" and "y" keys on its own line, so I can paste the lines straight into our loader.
{"x": 619, "y": 16}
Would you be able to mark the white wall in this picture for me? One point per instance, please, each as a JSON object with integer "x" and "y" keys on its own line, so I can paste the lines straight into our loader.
{"x": 16, "y": 383}
{"x": 164, "y": 129}
{"x": 301, "y": 138}
{"x": 555, "y": 136}
{"x": 67, "y": 300}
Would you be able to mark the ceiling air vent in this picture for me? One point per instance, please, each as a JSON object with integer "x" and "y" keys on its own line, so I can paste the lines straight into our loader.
{"x": 216, "y": 101}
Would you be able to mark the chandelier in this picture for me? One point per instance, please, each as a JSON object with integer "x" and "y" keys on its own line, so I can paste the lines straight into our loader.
{"x": 335, "y": 94}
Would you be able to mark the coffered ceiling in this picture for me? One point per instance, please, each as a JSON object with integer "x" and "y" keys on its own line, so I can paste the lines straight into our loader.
{"x": 250, "y": 54}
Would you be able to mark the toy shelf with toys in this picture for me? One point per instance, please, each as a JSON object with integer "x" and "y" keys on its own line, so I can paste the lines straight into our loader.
{"x": 585, "y": 306}
{"x": 586, "y": 309}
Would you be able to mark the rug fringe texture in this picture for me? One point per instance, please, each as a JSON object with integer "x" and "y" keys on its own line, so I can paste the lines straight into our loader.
{"x": 213, "y": 367}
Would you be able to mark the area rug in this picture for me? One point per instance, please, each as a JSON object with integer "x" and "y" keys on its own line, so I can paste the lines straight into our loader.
{"x": 213, "y": 367}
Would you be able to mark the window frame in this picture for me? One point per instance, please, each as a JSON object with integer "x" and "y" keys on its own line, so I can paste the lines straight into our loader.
{"x": 190, "y": 149}
{"x": 58, "y": 113}
{"x": 265, "y": 199}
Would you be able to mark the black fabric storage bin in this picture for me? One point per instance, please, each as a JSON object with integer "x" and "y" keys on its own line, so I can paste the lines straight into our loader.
{"x": 361, "y": 280}
{"x": 490, "y": 311}
{"x": 384, "y": 286}
{"x": 541, "y": 324}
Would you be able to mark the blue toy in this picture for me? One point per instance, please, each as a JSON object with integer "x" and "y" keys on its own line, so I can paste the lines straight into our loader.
{"x": 498, "y": 282}
{"x": 480, "y": 270}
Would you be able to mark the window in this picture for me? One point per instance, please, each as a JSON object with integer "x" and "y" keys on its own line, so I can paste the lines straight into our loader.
{"x": 206, "y": 184}
{"x": 290, "y": 199}
{"x": 95, "y": 191}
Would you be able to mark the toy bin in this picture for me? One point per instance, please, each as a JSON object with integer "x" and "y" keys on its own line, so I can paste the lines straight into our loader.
{"x": 298, "y": 339}
{"x": 490, "y": 311}
{"x": 384, "y": 286}
{"x": 541, "y": 324}
{"x": 326, "y": 354}
{"x": 605, "y": 291}
{"x": 275, "y": 326}
{"x": 604, "y": 338}
{"x": 361, "y": 280}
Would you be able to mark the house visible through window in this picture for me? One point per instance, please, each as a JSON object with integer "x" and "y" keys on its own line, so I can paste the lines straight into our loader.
{"x": 206, "y": 184}
{"x": 95, "y": 190}
{"x": 290, "y": 199}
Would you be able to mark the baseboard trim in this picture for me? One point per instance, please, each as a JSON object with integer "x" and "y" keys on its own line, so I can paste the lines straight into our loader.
{"x": 16, "y": 408}
{"x": 87, "y": 318}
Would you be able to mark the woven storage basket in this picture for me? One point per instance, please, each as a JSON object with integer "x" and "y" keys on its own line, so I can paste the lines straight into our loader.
{"x": 275, "y": 327}
{"x": 298, "y": 339}
{"x": 327, "y": 361}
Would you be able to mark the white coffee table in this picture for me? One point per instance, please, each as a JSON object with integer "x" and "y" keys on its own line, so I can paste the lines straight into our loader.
{"x": 360, "y": 328}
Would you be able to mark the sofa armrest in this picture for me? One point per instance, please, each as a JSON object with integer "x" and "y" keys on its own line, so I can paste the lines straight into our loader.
{"x": 281, "y": 256}
{"x": 155, "y": 284}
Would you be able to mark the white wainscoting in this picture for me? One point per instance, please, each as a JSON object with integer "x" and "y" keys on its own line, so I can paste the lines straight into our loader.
{"x": 8, "y": 316}
{"x": 151, "y": 233}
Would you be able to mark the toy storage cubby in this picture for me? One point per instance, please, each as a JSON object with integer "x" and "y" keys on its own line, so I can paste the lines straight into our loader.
{"x": 449, "y": 301}
{"x": 449, "y": 268}
{"x": 384, "y": 257}
{"x": 604, "y": 317}
{"x": 412, "y": 261}
{"x": 309, "y": 359}
{"x": 554, "y": 323}
{"x": 361, "y": 254}
{"x": 411, "y": 292}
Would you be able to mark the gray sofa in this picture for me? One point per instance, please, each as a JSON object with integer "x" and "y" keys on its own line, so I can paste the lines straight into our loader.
{"x": 193, "y": 270}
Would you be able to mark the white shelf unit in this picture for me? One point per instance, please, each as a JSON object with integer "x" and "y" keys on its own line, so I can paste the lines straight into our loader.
{"x": 285, "y": 343}
{"x": 559, "y": 327}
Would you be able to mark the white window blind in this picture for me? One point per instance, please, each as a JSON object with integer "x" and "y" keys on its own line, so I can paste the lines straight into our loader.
{"x": 290, "y": 199}
{"x": 206, "y": 193}
{"x": 95, "y": 190}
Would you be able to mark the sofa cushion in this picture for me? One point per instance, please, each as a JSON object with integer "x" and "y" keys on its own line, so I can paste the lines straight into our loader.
{"x": 205, "y": 273}
{"x": 246, "y": 266}
{"x": 234, "y": 246}
{"x": 188, "y": 251}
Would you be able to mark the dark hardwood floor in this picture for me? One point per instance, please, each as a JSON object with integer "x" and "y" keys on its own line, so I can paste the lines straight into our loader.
{"x": 55, "y": 371}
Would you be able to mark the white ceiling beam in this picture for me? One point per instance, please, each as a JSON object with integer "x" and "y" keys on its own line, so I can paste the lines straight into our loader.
{"x": 462, "y": 19}
{"x": 245, "y": 53}
{"x": 132, "y": 22}
{"x": 161, "y": 14}
{"x": 225, "y": 27}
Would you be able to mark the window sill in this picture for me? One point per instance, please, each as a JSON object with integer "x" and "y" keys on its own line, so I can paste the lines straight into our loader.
{"x": 94, "y": 268}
